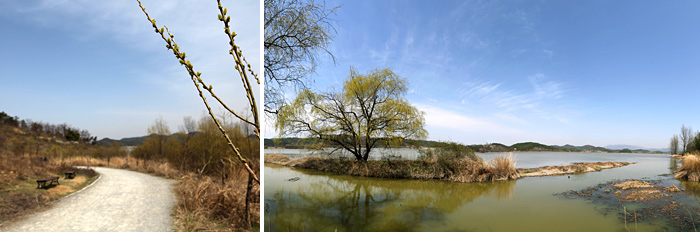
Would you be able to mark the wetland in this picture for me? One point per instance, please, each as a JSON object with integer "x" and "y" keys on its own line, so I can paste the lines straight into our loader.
{"x": 307, "y": 200}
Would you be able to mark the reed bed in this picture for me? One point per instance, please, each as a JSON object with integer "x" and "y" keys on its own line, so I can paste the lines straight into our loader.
{"x": 690, "y": 169}
{"x": 456, "y": 169}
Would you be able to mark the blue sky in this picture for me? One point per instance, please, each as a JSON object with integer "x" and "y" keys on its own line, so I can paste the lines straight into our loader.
{"x": 555, "y": 72}
{"x": 98, "y": 65}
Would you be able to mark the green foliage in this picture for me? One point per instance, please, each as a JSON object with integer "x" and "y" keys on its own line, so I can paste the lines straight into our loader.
{"x": 9, "y": 120}
{"x": 531, "y": 146}
{"x": 370, "y": 112}
{"x": 72, "y": 135}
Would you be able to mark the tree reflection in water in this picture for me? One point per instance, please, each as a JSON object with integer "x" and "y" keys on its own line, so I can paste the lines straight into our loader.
{"x": 346, "y": 203}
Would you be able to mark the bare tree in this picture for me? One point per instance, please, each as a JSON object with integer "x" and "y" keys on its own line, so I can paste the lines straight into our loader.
{"x": 160, "y": 130}
{"x": 674, "y": 145}
{"x": 685, "y": 137}
{"x": 295, "y": 32}
{"x": 188, "y": 125}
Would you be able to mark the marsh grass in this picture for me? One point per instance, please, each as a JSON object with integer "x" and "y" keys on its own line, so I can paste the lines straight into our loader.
{"x": 457, "y": 169}
{"x": 690, "y": 169}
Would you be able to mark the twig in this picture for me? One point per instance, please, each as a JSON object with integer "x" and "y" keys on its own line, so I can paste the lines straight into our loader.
{"x": 196, "y": 79}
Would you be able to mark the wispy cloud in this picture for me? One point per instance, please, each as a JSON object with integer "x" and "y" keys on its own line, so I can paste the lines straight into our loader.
{"x": 444, "y": 119}
{"x": 542, "y": 98}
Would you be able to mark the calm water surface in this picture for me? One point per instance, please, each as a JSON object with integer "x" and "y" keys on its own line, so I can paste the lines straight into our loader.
{"x": 320, "y": 201}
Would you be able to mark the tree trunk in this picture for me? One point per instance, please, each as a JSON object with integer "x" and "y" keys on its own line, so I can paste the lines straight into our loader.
{"x": 247, "y": 200}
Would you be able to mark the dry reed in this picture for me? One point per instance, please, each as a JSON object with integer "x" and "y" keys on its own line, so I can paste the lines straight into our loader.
{"x": 690, "y": 170}
{"x": 458, "y": 170}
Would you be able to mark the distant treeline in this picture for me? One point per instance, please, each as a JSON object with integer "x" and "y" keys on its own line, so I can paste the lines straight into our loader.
{"x": 300, "y": 143}
{"x": 64, "y": 131}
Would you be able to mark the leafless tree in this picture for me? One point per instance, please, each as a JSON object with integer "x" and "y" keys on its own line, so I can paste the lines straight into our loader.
{"x": 674, "y": 145}
{"x": 685, "y": 137}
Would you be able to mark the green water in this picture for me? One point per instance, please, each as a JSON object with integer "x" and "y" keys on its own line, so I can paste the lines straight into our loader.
{"x": 320, "y": 201}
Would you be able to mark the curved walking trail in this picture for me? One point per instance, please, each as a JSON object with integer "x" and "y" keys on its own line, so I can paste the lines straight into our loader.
{"x": 120, "y": 200}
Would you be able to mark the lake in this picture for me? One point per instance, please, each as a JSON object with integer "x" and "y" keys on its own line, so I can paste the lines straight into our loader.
{"x": 320, "y": 201}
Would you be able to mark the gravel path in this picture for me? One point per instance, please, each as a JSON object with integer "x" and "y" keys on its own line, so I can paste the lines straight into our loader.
{"x": 120, "y": 200}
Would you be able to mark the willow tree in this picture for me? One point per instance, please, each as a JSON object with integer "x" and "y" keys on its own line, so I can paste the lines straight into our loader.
{"x": 371, "y": 111}
{"x": 296, "y": 31}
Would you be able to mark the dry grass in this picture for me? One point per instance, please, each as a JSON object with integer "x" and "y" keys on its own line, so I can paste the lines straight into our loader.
{"x": 206, "y": 204}
{"x": 203, "y": 202}
{"x": 18, "y": 175}
{"x": 632, "y": 184}
{"x": 503, "y": 167}
{"x": 570, "y": 169}
{"x": 690, "y": 170}
{"x": 276, "y": 159}
{"x": 458, "y": 170}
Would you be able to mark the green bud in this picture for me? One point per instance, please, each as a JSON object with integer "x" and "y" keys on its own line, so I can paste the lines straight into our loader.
{"x": 224, "y": 10}
{"x": 183, "y": 55}
{"x": 220, "y": 18}
{"x": 228, "y": 19}
{"x": 199, "y": 79}
{"x": 199, "y": 74}
{"x": 154, "y": 22}
{"x": 162, "y": 30}
{"x": 210, "y": 87}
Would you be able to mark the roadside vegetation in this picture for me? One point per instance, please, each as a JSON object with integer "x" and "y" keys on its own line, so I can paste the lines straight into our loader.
{"x": 219, "y": 161}
{"x": 213, "y": 193}
{"x": 31, "y": 151}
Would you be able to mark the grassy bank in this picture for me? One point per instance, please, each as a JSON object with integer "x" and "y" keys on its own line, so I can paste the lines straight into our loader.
{"x": 19, "y": 194}
{"x": 690, "y": 169}
{"x": 463, "y": 169}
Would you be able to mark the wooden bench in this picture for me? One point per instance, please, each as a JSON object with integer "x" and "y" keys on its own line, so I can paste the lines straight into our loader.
{"x": 70, "y": 174}
{"x": 50, "y": 180}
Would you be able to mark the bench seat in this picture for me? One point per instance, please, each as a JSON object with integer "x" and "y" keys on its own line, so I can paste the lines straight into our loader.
{"x": 43, "y": 183}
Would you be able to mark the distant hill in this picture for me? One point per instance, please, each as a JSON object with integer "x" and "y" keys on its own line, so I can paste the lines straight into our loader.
{"x": 633, "y": 147}
{"x": 298, "y": 143}
{"x": 132, "y": 141}
{"x": 135, "y": 141}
